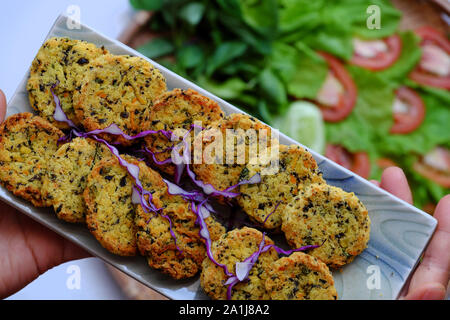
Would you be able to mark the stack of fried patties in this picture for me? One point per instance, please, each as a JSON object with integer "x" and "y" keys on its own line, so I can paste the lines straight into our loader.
{"x": 86, "y": 183}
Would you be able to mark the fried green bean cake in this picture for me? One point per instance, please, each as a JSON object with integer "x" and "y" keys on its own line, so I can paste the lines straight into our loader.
{"x": 118, "y": 90}
{"x": 27, "y": 143}
{"x": 176, "y": 111}
{"x": 227, "y": 146}
{"x": 66, "y": 179}
{"x": 300, "y": 277}
{"x": 64, "y": 63}
{"x": 170, "y": 239}
{"x": 330, "y": 217}
{"x": 110, "y": 210}
{"x": 232, "y": 247}
{"x": 284, "y": 174}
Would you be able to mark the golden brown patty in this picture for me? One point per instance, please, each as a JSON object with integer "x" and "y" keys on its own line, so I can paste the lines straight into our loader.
{"x": 281, "y": 181}
{"x": 63, "y": 61}
{"x": 176, "y": 111}
{"x": 232, "y": 247}
{"x": 300, "y": 277}
{"x": 66, "y": 179}
{"x": 327, "y": 216}
{"x": 222, "y": 168}
{"x": 110, "y": 210}
{"x": 162, "y": 249}
{"x": 27, "y": 143}
{"x": 120, "y": 90}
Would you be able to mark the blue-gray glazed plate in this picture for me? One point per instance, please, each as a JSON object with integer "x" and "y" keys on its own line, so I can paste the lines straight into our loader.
{"x": 399, "y": 231}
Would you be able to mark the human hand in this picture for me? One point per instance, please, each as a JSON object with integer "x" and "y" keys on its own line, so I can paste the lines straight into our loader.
{"x": 430, "y": 279}
{"x": 28, "y": 249}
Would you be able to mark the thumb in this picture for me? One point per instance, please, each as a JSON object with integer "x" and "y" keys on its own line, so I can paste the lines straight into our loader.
{"x": 430, "y": 291}
{"x": 2, "y": 106}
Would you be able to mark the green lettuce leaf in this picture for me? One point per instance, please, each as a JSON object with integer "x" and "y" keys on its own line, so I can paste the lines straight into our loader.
{"x": 371, "y": 116}
{"x": 331, "y": 25}
{"x": 302, "y": 70}
{"x": 408, "y": 59}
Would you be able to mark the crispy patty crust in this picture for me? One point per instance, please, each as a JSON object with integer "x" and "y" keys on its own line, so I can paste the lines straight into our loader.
{"x": 27, "y": 143}
{"x": 177, "y": 111}
{"x": 64, "y": 62}
{"x": 291, "y": 171}
{"x": 110, "y": 209}
{"x": 119, "y": 90}
{"x": 330, "y": 217}
{"x": 226, "y": 152}
{"x": 232, "y": 247}
{"x": 66, "y": 179}
{"x": 300, "y": 277}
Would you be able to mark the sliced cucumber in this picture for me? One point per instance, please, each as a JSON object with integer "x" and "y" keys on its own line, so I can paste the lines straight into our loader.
{"x": 303, "y": 122}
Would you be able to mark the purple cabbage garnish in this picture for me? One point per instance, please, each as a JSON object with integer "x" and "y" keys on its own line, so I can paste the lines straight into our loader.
{"x": 113, "y": 129}
{"x": 207, "y": 188}
{"x": 242, "y": 269}
{"x": 205, "y": 235}
{"x": 153, "y": 155}
{"x": 172, "y": 233}
{"x": 59, "y": 114}
{"x": 275, "y": 209}
{"x": 202, "y": 209}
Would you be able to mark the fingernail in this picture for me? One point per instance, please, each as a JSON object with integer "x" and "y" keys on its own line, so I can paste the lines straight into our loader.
{"x": 436, "y": 293}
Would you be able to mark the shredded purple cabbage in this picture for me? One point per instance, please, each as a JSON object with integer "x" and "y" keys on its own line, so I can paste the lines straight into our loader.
{"x": 275, "y": 209}
{"x": 59, "y": 114}
{"x": 133, "y": 170}
{"x": 209, "y": 189}
{"x": 249, "y": 262}
{"x": 205, "y": 235}
{"x": 172, "y": 233}
{"x": 153, "y": 155}
{"x": 115, "y": 130}
{"x": 183, "y": 161}
{"x": 202, "y": 209}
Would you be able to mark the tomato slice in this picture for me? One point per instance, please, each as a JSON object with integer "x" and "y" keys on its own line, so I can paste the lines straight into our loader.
{"x": 347, "y": 98}
{"x": 358, "y": 162}
{"x": 432, "y": 42}
{"x": 409, "y": 111}
{"x": 435, "y": 166}
{"x": 429, "y": 208}
{"x": 383, "y": 58}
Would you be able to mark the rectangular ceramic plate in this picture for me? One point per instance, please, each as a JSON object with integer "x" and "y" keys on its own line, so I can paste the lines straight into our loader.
{"x": 399, "y": 231}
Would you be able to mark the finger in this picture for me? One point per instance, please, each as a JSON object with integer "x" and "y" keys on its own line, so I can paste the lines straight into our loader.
{"x": 2, "y": 106}
{"x": 375, "y": 182}
{"x": 429, "y": 291}
{"x": 393, "y": 180}
{"x": 73, "y": 252}
{"x": 432, "y": 275}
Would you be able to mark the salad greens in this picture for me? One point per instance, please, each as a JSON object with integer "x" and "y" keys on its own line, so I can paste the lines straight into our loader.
{"x": 373, "y": 106}
{"x": 261, "y": 56}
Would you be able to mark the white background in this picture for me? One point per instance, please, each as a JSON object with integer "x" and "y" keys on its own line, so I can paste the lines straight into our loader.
{"x": 23, "y": 27}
